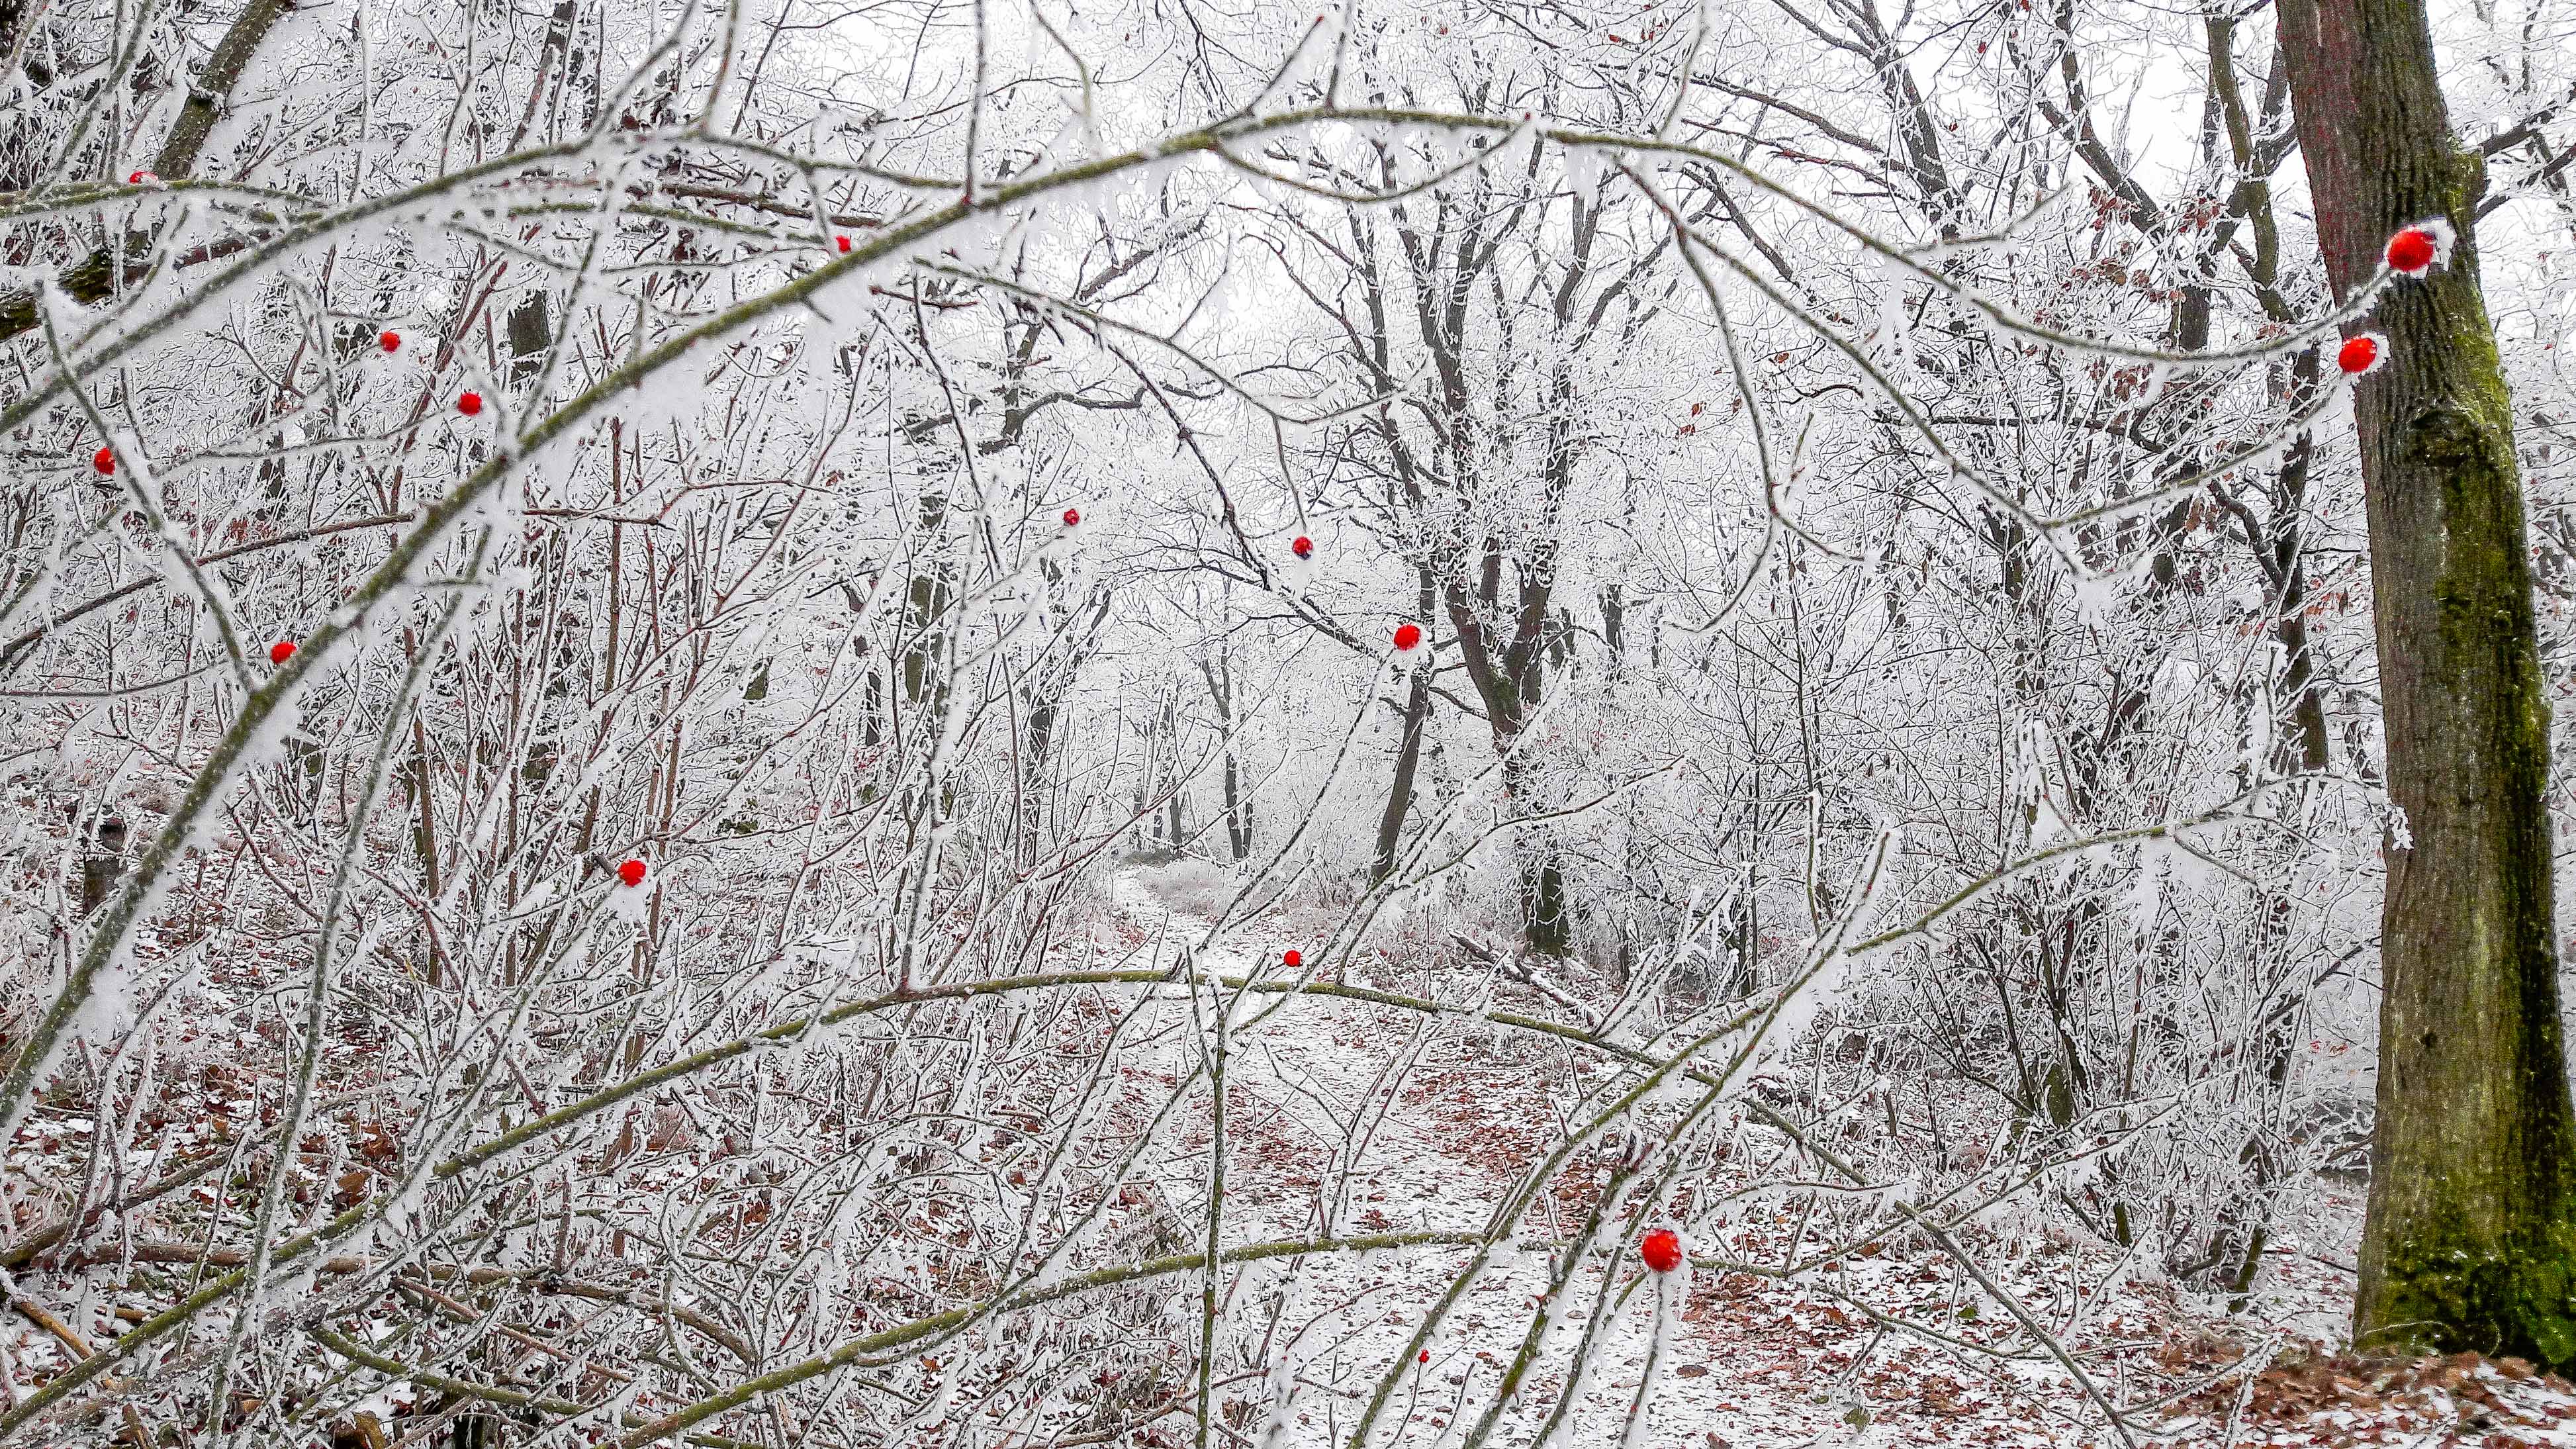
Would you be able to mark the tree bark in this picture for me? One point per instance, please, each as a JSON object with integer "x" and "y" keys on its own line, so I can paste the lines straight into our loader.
{"x": 1408, "y": 759}
{"x": 2470, "y": 1239}
{"x": 95, "y": 278}
{"x": 1238, "y": 805}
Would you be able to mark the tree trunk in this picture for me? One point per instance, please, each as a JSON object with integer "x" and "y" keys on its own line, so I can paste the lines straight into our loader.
{"x": 96, "y": 277}
{"x": 926, "y": 599}
{"x": 1408, "y": 759}
{"x": 104, "y": 867}
{"x": 2470, "y": 1240}
{"x": 1408, "y": 753}
{"x": 2290, "y": 556}
{"x": 1238, "y": 805}
{"x": 1046, "y": 695}
{"x": 1547, "y": 927}
{"x": 1177, "y": 780}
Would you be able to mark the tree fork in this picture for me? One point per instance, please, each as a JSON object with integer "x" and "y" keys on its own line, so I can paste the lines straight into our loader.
{"x": 2470, "y": 1240}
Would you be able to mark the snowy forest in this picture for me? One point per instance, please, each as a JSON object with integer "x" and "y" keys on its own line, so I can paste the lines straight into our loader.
{"x": 1462, "y": 724}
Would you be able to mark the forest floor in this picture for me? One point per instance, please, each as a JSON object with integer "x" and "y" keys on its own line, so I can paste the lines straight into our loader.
{"x": 1757, "y": 1363}
{"x": 1371, "y": 1120}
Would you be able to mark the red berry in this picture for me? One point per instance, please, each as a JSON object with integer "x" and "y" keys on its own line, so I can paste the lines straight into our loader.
{"x": 2358, "y": 355}
{"x": 1425, "y": 1358}
{"x": 104, "y": 460}
{"x": 1292, "y": 960}
{"x": 1072, "y": 516}
{"x": 1407, "y": 635}
{"x": 281, "y": 651}
{"x": 1662, "y": 1249}
{"x": 632, "y": 872}
{"x": 2412, "y": 250}
{"x": 469, "y": 403}
{"x": 1304, "y": 547}
{"x": 140, "y": 178}
{"x": 842, "y": 242}
{"x": 389, "y": 339}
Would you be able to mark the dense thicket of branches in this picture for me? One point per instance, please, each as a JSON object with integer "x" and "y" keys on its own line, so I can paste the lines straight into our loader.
{"x": 1895, "y": 739}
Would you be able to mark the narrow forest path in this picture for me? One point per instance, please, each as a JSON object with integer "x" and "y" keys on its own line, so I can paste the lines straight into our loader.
{"x": 1315, "y": 1077}
{"x": 1379, "y": 1114}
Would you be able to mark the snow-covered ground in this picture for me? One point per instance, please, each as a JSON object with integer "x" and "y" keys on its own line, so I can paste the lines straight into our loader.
{"x": 1348, "y": 1119}
{"x": 1445, "y": 1123}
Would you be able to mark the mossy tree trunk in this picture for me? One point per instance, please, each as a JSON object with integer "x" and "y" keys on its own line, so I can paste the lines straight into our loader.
{"x": 2471, "y": 1234}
